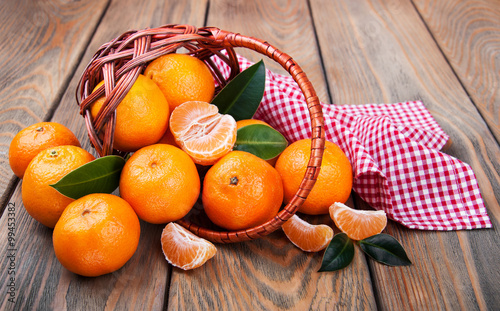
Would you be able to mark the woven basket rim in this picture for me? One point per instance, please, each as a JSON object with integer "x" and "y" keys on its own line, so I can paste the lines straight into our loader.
{"x": 120, "y": 61}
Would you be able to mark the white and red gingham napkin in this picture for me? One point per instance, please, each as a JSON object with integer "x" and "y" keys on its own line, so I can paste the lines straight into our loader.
{"x": 394, "y": 151}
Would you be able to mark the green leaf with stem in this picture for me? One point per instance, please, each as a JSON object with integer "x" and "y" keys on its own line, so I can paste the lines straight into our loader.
{"x": 242, "y": 96}
{"x": 99, "y": 176}
{"x": 385, "y": 249}
{"x": 260, "y": 140}
{"x": 339, "y": 253}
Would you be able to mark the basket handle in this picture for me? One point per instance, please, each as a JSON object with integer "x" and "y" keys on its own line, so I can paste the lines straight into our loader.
{"x": 230, "y": 40}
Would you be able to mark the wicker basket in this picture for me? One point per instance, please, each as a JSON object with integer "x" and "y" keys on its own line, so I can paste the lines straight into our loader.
{"x": 120, "y": 61}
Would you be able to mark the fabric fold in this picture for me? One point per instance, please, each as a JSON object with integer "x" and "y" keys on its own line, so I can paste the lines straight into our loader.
{"x": 394, "y": 150}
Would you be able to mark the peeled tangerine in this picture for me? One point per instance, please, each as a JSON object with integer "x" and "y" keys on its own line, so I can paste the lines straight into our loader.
{"x": 202, "y": 132}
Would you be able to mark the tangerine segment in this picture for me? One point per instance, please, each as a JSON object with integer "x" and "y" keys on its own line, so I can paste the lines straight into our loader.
{"x": 306, "y": 236}
{"x": 357, "y": 224}
{"x": 183, "y": 249}
{"x": 202, "y": 132}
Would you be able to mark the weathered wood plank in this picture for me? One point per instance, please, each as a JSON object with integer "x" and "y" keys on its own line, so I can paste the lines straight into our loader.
{"x": 40, "y": 281}
{"x": 380, "y": 51}
{"x": 284, "y": 24}
{"x": 271, "y": 273}
{"x": 42, "y": 42}
{"x": 468, "y": 33}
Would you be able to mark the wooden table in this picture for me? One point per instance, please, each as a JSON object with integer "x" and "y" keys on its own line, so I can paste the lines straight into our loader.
{"x": 445, "y": 53}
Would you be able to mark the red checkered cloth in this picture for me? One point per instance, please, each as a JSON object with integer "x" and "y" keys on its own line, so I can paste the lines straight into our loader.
{"x": 394, "y": 151}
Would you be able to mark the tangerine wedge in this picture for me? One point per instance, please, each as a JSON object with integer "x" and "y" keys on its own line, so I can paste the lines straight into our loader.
{"x": 202, "y": 132}
{"x": 183, "y": 249}
{"x": 357, "y": 224}
{"x": 306, "y": 236}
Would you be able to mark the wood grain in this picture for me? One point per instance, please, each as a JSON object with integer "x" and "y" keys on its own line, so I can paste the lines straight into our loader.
{"x": 269, "y": 274}
{"x": 381, "y": 52}
{"x": 42, "y": 42}
{"x": 41, "y": 281}
{"x": 369, "y": 51}
{"x": 468, "y": 33}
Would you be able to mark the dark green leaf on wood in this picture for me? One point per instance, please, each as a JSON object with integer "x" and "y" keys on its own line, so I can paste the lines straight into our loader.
{"x": 385, "y": 249}
{"x": 242, "y": 96}
{"x": 339, "y": 253}
{"x": 260, "y": 140}
{"x": 99, "y": 176}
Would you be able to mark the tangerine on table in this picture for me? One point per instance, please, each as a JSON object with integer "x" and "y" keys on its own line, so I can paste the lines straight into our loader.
{"x": 334, "y": 182}
{"x": 306, "y": 236}
{"x": 241, "y": 191}
{"x": 160, "y": 182}
{"x": 202, "y": 132}
{"x": 141, "y": 117}
{"x": 42, "y": 202}
{"x": 96, "y": 234}
{"x": 357, "y": 224}
{"x": 181, "y": 78}
{"x": 31, "y": 140}
{"x": 183, "y": 249}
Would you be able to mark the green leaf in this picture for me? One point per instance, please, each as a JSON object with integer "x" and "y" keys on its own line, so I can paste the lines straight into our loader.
{"x": 339, "y": 253}
{"x": 260, "y": 140}
{"x": 99, "y": 176}
{"x": 385, "y": 249}
{"x": 242, "y": 96}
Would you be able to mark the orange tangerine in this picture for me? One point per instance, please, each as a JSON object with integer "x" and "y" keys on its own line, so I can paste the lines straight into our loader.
{"x": 181, "y": 78}
{"x": 241, "y": 191}
{"x": 41, "y": 201}
{"x": 35, "y": 138}
{"x": 96, "y": 234}
{"x": 141, "y": 117}
{"x": 334, "y": 182}
{"x": 161, "y": 183}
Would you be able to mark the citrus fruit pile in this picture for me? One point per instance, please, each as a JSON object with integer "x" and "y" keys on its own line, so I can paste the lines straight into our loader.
{"x": 181, "y": 150}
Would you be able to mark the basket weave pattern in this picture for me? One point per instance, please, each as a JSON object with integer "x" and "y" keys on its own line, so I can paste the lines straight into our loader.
{"x": 121, "y": 60}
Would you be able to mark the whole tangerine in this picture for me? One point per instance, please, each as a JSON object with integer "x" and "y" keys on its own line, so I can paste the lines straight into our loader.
{"x": 241, "y": 191}
{"x": 141, "y": 117}
{"x": 160, "y": 182}
{"x": 42, "y": 202}
{"x": 37, "y": 137}
{"x": 181, "y": 78}
{"x": 333, "y": 184}
{"x": 96, "y": 234}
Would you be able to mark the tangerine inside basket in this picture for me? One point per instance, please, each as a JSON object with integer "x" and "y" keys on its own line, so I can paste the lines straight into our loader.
{"x": 121, "y": 60}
